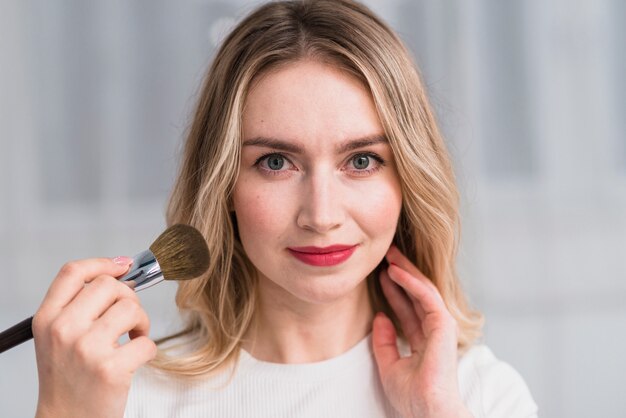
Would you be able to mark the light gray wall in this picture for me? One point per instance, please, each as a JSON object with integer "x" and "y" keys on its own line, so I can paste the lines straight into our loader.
{"x": 95, "y": 98}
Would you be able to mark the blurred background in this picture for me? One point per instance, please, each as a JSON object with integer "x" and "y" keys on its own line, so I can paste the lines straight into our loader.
{"x": 95, "y": 98}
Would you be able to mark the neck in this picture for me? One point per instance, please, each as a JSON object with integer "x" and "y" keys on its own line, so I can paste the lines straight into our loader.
{"x": 287, "y": 330}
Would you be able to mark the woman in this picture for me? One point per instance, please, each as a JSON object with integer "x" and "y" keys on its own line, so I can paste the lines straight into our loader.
{"x": 317, "y": 174}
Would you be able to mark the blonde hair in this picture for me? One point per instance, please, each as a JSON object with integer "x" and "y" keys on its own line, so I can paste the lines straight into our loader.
{"x": 219, "y": 306}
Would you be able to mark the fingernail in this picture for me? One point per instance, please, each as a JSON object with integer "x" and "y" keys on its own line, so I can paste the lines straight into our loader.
{"x": 123, "y": 260}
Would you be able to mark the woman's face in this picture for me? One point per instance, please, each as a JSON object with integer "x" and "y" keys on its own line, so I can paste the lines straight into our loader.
{"x": 315, "y": 171}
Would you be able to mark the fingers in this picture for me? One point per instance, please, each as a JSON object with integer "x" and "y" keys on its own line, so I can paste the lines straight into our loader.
{"x": 72, "y": 277}
{"x": 395, "y": 256}
{"x": 126, "y": 315}
{"x": 384, "y": 343}
{"x": 426, "y": 303}
{"x": 85, "y": 297}
{"x": 404, "y": 309}
{"x": 135, "y": 353}
{"x": 420, "y": 288}
{"x": 95, "y": 298}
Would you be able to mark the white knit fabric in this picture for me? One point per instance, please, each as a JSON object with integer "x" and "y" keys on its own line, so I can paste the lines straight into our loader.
{"x": 344, "y": 386}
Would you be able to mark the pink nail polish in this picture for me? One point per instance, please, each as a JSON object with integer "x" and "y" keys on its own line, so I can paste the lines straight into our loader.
{"x": 122, "y": 260}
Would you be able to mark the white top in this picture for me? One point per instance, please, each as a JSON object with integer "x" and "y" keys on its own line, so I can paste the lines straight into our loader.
{"x": 344, "y": 386}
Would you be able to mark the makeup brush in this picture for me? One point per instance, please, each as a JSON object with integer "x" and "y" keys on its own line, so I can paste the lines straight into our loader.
{"x": 179, "y": 253}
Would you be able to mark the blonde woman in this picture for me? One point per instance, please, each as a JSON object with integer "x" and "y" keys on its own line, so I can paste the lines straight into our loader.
{"x": 316, "y": 171}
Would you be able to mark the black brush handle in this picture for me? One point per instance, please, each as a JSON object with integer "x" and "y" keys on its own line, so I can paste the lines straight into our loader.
{"x": 16, "y": 335}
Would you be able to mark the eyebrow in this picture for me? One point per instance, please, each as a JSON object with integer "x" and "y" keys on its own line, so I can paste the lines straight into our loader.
{"x": 287, "y": 146}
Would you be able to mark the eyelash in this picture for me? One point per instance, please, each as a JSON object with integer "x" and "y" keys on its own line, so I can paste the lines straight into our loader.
{"x": 381, "y": 163}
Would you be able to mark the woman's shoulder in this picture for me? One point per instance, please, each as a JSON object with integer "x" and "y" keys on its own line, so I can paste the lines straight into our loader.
{"x": 491, "y": 387}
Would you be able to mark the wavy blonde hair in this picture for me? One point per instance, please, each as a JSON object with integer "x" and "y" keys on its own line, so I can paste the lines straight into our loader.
{"x": 219, "y": 306}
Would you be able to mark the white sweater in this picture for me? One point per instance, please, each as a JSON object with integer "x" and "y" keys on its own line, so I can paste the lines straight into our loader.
{"x": 344, "y": 386}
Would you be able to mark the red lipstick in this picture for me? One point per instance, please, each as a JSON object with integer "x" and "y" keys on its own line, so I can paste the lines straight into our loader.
{"x": 323, "y": 256}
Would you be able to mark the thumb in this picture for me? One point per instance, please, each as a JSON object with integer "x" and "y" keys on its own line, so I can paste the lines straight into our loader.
{"x": 384, "y": 343}
{"x": 122, "y": 264}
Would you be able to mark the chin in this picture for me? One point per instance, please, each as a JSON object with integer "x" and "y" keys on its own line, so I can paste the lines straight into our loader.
{"x": 326, "y": 289}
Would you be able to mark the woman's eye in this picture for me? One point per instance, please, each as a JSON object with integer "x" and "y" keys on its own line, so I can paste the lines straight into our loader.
{"x": 272, "y": 163}
{"x": 275, "y": 162}
{"x": 361, "y": 162}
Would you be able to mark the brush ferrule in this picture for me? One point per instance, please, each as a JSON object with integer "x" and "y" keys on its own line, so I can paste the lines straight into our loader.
{"x": 144, "y": 272}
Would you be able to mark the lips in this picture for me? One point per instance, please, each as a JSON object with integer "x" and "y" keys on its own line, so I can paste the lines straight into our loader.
{"x": 323, "y": 256}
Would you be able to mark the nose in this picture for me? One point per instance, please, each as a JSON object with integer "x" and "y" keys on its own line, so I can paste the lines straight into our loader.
{"x": 321, "y": 208}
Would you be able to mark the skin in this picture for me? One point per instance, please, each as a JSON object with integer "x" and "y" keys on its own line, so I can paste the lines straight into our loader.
{"x": 83, "y": 371}
{"x": 318, "y": 197}
{"x": 425, "y": 383}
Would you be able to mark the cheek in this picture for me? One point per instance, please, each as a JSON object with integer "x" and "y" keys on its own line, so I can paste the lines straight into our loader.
{"x": 260, "y": 213}
{"x": 378, "y": 208}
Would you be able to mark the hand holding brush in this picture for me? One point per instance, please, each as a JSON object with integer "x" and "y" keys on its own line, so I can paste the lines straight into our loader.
{"x": 179, "y": 253}
{"x": 83, "y": 370}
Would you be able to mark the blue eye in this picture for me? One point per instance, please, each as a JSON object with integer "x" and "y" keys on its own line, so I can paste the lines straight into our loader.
{"x": 272, "y": 163}
{"x": 361, "y": 161}
{"x": 275, "y": 161}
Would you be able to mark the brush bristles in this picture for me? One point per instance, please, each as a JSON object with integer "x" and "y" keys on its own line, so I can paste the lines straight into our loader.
{"x": 182, "y": 252}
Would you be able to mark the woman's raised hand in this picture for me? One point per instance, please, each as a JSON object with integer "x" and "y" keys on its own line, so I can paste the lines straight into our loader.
{"x": 83, "y": 370}
{"x": 425, "y": 384}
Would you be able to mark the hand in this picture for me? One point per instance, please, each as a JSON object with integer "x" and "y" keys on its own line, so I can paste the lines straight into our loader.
{"x": 425, "y": 384}
{"x": 83, "y": 371}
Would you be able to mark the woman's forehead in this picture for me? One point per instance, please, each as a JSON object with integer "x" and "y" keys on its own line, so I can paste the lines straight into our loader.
{"x": 308, "y": 100}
